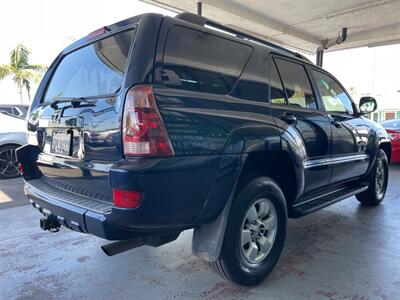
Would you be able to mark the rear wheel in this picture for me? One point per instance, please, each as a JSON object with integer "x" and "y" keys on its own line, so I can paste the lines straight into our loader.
{"x": 8, "y": 162}
{"x": 255, "y": 233}
{"x": 378, "y": 180}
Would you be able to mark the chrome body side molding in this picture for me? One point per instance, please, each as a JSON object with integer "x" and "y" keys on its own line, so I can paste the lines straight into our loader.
{"x": 335, "y": 160}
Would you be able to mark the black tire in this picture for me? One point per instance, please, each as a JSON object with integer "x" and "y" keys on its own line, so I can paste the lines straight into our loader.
{"x": 375, "y": 192}
{"x": 8, "y": 162}
{"x": 233, "y": 264}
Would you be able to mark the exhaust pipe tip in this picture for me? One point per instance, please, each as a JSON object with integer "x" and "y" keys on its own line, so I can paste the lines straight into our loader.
{"x": 121, "y": 246}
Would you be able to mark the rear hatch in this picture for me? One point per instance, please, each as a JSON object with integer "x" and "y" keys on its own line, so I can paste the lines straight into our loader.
{"x": 77, "y": 124}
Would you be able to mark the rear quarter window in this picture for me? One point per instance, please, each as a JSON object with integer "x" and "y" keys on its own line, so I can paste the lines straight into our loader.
{"x": 94, "y": 70}
{"x": 202, "y": 62}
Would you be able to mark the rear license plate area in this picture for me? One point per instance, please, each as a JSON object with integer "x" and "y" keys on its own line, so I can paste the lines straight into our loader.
{"x": 61, "y": 142}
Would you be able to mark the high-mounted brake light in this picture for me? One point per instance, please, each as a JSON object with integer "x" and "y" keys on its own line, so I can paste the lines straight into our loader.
{"x": 96, "y": 33}
{"x": 127, "y": 199}
{"x": 144, "y": 133}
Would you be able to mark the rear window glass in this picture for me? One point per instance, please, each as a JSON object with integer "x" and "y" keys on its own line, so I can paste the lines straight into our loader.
{"x": 94, "y": 70}
{"x": 202, "y": 62}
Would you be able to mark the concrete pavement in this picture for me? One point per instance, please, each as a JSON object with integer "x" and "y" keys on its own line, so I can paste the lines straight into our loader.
{"x": 345, "y": 251}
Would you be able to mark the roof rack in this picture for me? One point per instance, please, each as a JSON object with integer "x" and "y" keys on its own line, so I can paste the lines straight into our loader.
{"x": 202, "y": 21}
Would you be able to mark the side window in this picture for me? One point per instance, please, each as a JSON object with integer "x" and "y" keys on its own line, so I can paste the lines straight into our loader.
{"x": 16, "y": 112}
{"x": 202, "y": 62}
{"x": 253, "y": 82}
{"x": 6, "y": 110}
{"x": 333, "y": 96}
{"x": 297, "y": 85}
{"x": 277, "y": 94}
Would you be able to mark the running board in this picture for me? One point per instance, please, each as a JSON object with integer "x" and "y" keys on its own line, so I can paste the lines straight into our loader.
{"x": 315, "y": 203}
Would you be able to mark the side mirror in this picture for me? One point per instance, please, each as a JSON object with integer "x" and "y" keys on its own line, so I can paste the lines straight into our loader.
{"x": 367, "y": 105}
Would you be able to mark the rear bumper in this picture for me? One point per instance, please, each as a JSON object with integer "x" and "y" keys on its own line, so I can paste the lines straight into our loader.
{"x": 104, "y": 224}
{"x": 396, "y": 152}
{"x": 179, "y": 192}
{"x": 174, "y": 190}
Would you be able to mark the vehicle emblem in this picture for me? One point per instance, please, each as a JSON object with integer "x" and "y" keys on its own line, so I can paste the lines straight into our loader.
{"x": 56, "y": 117}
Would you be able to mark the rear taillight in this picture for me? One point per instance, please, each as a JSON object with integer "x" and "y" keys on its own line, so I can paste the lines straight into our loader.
{"x": 144, "y": 133}
{"x": 21, "y": 168}
{"x": 394, "y": 135}
{"x": 127, "y": 199}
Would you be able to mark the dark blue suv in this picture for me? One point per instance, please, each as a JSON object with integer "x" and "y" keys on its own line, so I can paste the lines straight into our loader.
{"x": 155, "y": 125}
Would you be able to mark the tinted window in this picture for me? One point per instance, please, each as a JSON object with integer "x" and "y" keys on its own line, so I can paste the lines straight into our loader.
{"x": 202, "y": 62}
{"x": 23, "y": 110}
{"x": 16, "y": 112}
{"x": 277, "y": 94}
{"x": 253, "y": 83}
{"x": 251, "y": 90}
{"x": 333, "y": 96}
{"x": 6, "y": 110}
{"x": 94, "y": 70}
{"x": 297, "y": 85}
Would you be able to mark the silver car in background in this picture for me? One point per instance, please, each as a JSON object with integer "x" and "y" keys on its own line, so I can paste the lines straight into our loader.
{"x": 14, "y": 110}
{"x": 12, "y": 136}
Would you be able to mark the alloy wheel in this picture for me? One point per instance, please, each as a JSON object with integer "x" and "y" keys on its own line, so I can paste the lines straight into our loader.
{"x": 380, "y": 178}
{"x": 259, "y": 230}
{"x": 8, "y": 163}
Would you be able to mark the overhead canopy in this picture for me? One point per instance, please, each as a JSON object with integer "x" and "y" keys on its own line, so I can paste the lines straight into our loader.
{"x": 304, "y": 24}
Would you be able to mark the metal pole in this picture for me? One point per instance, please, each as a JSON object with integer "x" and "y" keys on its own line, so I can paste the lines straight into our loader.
{"x": 327, "y": 44}
{"x": 320, "y": 56}
{"x": 199, "y": 8}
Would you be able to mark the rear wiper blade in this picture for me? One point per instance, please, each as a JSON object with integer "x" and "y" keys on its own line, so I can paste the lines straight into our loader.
{"x": 75, "y": 102}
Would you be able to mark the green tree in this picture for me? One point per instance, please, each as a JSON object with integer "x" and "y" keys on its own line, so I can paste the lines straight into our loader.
{"x": 22, "y": 71}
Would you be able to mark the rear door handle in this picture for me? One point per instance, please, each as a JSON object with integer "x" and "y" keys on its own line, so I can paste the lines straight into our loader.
{"x": 289, "y": 118}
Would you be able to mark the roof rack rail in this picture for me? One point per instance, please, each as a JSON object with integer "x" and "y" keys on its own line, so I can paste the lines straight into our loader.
{"x": 202, "y": 21}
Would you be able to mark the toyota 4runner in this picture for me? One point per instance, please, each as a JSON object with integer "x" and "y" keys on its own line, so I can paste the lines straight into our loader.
{"x": 155, "y": 125}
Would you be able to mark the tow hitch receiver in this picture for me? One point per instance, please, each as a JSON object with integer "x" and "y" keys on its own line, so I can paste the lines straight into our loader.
{"x": 50, "y": 223}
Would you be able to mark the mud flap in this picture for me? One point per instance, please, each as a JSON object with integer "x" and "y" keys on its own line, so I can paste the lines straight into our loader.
{"x": 208, "y": 238}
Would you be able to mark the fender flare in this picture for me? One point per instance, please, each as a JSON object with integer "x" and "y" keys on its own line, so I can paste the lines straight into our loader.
{"x": 208, "y": 238}
{"x": 380, "y": 140}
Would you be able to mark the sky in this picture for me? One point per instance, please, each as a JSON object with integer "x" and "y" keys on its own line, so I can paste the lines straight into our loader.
{"x": 46, "y": 27}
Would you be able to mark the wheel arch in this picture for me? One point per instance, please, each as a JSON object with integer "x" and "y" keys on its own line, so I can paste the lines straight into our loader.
{"x": 12, "y": 143}
{"x": 387, "y": 147}
{"x": 254, "y": 150}
{"x": 277, "y": 165}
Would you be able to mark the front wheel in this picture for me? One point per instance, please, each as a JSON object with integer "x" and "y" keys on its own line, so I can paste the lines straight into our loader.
{"x": 255, "y": 233}
{"x": 378, "y": 181}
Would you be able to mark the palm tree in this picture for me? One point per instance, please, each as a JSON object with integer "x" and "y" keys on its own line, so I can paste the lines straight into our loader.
{"x": 22, "y": 71}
